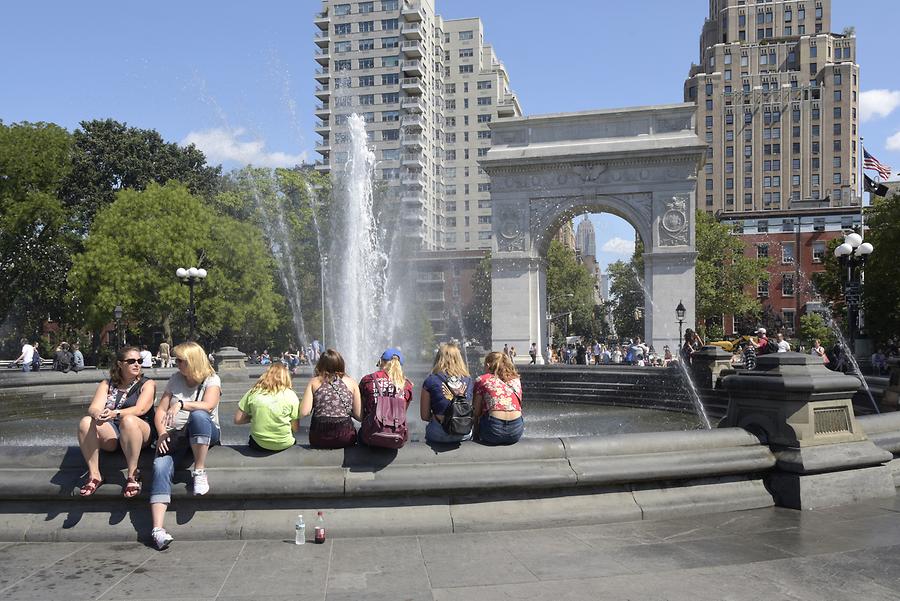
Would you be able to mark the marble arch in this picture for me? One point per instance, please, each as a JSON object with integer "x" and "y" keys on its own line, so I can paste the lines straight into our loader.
{"x": 638, "y": 163}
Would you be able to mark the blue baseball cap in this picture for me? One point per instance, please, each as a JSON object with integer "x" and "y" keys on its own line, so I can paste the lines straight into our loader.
{"x": 391, "y": 353}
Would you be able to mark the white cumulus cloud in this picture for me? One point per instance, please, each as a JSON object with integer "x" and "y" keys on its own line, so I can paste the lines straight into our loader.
{"x": 224, "y": 145}
{"x": 877, "y": 103}
{"x": 893, "y": 143}
{"x": 619, "y": 246}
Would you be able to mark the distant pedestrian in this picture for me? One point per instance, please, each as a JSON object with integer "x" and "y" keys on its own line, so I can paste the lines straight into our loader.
{"x": 164, "y": 355}
{"x": 62, "y": 360}
{"x": 146, "y": 358}
{"x": 783, "y": 345}
{"x": 27, "y": 355}
{"x": 533, "y": 353}
{"x": 77, "y": 358}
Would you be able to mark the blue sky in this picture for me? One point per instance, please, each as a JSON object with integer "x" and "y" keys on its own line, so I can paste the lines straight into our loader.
{"x": 237, "y": 79}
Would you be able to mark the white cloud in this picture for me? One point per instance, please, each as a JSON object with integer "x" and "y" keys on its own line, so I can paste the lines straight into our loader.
{"x": 223, "y": 146}
{"x": 893, "y": 143}
{"x": 619, "y": 246}
{"x": 877, "y": 103}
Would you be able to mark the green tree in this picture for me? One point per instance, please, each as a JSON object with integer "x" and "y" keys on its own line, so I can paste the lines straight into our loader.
{"x": 35, "y": 244}
{"x": 813, "y": 327}
{"x": 281, "y": 203}
{"x": 135, "y": 246}
{"x": 109, "y": 156}
{"x": 478, "y": 312}
{"x": 627, "y": 294}
{"x": 723, "y": 273}
{"x": 570, "y": 288}
{"x": 881, "y": 295}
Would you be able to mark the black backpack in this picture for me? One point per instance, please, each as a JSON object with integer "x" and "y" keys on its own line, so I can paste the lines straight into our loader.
{"x": 36, "y": 361}
{"x": 459, "y": 417}
{"x": 771, "y": 346}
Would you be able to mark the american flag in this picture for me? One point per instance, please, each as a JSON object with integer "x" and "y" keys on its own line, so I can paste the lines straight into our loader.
{"x": 870, "y": 162}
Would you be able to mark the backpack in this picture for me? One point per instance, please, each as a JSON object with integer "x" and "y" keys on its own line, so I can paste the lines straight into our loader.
{"x": 771, "y": 346}
{"x": 459, "y": 417}
{"x": 36, "y": 361}
{"x": 386, "y": 426}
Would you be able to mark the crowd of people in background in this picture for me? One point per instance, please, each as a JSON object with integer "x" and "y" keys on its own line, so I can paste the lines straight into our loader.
{"x": 617, "y": 352}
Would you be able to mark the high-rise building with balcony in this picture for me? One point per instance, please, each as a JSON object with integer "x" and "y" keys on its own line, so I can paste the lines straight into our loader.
{"x": 427, "y": 89}
{"x": 777, "y": 99}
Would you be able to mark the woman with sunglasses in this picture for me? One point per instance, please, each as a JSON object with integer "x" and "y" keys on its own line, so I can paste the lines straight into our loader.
{"x": 186, "y": 420}
{"x": 118, "y": 416}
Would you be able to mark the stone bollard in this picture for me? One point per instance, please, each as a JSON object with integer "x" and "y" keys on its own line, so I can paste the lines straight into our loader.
{"x": 230, "y": 364}
{"x": 804, "y": 412}
{"x": 891, "y": 398}
{"x": 707, "y": 364}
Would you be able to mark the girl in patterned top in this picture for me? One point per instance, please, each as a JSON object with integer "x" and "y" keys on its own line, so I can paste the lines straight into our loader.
{"x": 498, "y": 402}
{"x": 333, "y": 398}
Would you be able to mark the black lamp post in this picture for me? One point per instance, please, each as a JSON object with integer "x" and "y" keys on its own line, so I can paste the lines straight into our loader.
{"x": 852, "y": 255}
{"x": 679, "y": 312}
{"x": 190, "y": 277}
{"x": 117, "y": 315}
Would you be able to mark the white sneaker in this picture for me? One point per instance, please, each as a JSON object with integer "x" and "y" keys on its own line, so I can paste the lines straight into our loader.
{"x": 161, "y": 538}
{"x": 201, "y": 482}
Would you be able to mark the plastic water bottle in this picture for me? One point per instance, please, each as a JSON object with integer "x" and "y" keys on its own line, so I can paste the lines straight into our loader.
{"x": 299, "y": 531}
{"x": 320, "y": 528}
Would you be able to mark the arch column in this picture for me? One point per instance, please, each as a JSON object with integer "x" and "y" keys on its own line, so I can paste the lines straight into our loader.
{"x": 519, "y": 299}
{"x": 669, "y": 278}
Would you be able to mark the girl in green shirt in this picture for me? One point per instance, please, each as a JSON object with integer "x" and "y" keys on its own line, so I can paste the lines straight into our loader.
{"x": 272, "y": 409}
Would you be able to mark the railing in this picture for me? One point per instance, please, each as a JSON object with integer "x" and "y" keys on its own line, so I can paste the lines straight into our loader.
{"x": 412, "y": 81}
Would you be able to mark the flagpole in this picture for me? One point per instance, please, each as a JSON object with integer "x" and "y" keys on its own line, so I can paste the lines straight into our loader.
{"x": 862, "y": 183}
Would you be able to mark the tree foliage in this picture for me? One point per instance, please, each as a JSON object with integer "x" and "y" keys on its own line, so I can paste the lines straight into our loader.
{"x": 287, "y": 205}
{"x": 35, "y": 244}
{"x": 138, "y": 242}
{"x": 570, "y": 288}
{"x": 881, "y": 295}
{"x": 627, "y": 294}
{"x": 109, "y": 156}
{"x": 813, "y": 327}
{"x": 724, "y": 272}
{"x": 478, "y": 312}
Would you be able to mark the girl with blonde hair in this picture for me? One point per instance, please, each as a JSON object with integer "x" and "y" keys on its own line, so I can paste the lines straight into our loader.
{"x": 187, "y": 419}
{"x": 272, "y": 409}
{"x": 333, "y": 399}
{"x": 386, "y": 385}
{"x": 449, "y": 378}
{"x": 498, "y": 402}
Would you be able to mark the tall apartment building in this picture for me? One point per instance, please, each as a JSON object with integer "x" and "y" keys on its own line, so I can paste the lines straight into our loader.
{"x": 777, "y": 101}
{"x": 427, "y": 89}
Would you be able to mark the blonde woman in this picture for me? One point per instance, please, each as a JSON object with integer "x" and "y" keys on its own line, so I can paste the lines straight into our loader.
{"x": 118, "y": 417}
{"x": 386, "y": 395}
{"x": 333, "y": 399}
{"x": 272, "y": 409}
{"x": 449, "y": 379}
{"x": 498, "y": 402}
{"x": 187, "y": 419}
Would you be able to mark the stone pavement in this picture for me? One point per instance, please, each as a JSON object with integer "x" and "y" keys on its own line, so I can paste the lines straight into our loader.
{"x": 851, "y": 552}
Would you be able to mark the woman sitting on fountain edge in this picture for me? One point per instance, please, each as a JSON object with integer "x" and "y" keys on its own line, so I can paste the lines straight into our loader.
{"x": 118, "y": 416}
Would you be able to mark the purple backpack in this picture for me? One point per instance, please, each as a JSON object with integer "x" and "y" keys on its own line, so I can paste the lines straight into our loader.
{"x": 386, "y": 426}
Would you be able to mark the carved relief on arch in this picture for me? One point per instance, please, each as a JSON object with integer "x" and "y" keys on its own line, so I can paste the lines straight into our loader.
{"x": 674, "y": 227}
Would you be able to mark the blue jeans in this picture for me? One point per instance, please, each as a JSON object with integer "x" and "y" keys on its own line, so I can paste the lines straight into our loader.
{"x": 434, "y": 432}
{"x": 496, "y": 431}
{"x": 200, "y": 430}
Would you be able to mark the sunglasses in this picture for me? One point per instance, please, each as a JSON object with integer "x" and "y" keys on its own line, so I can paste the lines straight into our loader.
{"x": 131, "y": 361}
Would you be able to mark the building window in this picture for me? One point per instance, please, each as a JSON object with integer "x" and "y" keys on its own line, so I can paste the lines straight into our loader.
{"x": 787, "y": 284}
{"x": 484, "y": 219}
{"x": 342, "y": 47}
{"x": 787, "y": 253}
{"x": 484, "y": 134}
{"x": 818, "y": 252}
{"x": 484, "y": 85}
{"x": 484, "y": 118}
{"x": 466, "y": 69}
{"x": 390, "y": 79}
{"x": 482, "y": 151}
{"x": 367, "y": 99}
{"x": 762, "y": 251}
{"x": 390, "y": 116}
{"x": 343, "y": 29}
{"x": 762, "y": 288}
{"x": 484, "y": 100}
{"x": 390, "y": 24}
{"x": 390, "y": 98}
{"x": 466, "y": 35}
{"x": 388, "y": 5}
{"x": 366, "y": 26}
{"x": 341, "y": 9}
{"x": 391, "y": 42}
{"x": 366, "y": 81}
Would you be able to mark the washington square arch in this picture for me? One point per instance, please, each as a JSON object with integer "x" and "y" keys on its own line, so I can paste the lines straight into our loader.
{"x": 637, "y": 163}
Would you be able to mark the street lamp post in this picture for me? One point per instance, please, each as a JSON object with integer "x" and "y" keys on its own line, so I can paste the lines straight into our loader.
{"x": 117, "y": 315}
{"x": 551, "y": 317}
{"x": 852, "y": 255}
{"x": 679, "y": 313}
{"x": 190, "y": 277}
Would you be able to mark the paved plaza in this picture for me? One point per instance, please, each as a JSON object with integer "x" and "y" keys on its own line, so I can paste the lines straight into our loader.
{"x": 851, "y": 552}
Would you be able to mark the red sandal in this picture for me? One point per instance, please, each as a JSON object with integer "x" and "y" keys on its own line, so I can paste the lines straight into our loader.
{"x": 90, "y": 487}
{"x": 133, "y": 485}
